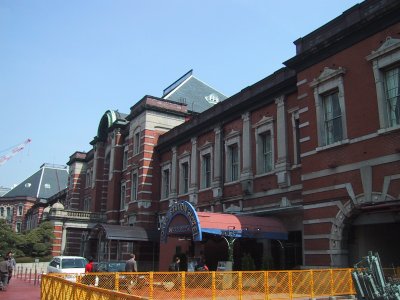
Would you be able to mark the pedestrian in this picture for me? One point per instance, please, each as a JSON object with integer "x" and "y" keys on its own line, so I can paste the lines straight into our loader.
{"x": 201, "y": 266}
{"x": 89, "y": 266}
{"x": 13, "y": 263}
{"x": 131, "y": 264}
{"x": 5, "y": 269}
{"x": 176, "y": 265}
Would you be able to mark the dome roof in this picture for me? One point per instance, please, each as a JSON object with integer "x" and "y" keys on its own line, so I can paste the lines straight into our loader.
{"x": 58, "y": 206}
{"x": 46, "y": 210}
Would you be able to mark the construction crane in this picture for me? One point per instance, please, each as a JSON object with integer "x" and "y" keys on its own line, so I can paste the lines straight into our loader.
{"x": 13, "y": 151}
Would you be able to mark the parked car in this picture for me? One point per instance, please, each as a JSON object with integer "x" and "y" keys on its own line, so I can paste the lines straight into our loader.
{"x": 106, "y": 281}
{"x": 109, "y": 266}
{"x": 68, "y": 264}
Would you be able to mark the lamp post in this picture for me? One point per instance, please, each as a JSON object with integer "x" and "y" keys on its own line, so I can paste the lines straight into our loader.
{"x": 230, "y": 240}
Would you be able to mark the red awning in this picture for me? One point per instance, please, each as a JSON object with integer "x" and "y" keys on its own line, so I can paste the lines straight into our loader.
{"x": 241, "y": 226}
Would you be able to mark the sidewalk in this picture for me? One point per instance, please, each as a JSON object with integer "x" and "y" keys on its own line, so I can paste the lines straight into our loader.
{"x": 19, "y": 289}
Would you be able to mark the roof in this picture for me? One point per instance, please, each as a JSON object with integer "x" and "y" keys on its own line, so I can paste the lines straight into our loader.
{"x": 241, "y": 226}
{"x": 281, "y": 82}
{"x": 46, "y": 182}
{"x": 126, "y": 233}
{"x": 196, "y": 94}
{"x": 109, "y": 119}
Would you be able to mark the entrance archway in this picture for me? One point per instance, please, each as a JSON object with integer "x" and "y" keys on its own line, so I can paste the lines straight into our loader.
{"x": 362, "y": 227}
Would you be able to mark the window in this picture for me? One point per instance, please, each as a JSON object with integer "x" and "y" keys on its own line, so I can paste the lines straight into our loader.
{"x": 264, "y": 146}
{"x": 136, "y": 142}
{"x": 123, "y": 197}
{"x": 18, "y": 227}
{"x": 333, "y": 131}
{"x": 385, "y": 63}
{"x": 1, "y": 211}
{"x": 184, "y": 178}
{"x": 266, "y": 152}
{"x": 8, "y": 215}
{"x": 206, "y": 165}
{"x": 20, "y": 210}
{"x": 165, "y": 183}
{"x": 330, "y": 107}
{"x": 125, "y": 159}
{"x": 206, "y": 171}
{"x": 233, "y": 162}
{"x": 86, "y": 204}
{"x": 134, "y": 187}
{"x": 232, "y": 158}
{"x": 392, "y": 95}
{"x": 88, "y": 178}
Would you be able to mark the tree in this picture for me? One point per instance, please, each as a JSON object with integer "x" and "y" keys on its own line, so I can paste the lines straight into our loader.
{"x": 37, "y": 242}
{"x": 8, "y": 238}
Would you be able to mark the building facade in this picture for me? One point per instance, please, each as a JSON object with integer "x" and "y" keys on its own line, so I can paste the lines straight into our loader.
{"x": 314, "y": 147}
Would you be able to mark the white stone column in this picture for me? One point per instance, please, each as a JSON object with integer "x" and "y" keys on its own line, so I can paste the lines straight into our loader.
{"x": 95, "y": 166}
{"x": 193, "y": 187}
{"x": 282, "y": 143}
{"x": 63, "y": 239}
{"x": 217, "y": 156}
{"x": 217, "y": 168}
{"x": 246, "y": 175}
{"x": 281, "y": 130}
{"x": 112, "y": 154}
{"x": 174, "y": 172}
{"x": 246, "y": 147}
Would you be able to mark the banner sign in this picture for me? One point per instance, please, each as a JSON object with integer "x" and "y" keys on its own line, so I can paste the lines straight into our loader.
{"x": 181, "y": 219}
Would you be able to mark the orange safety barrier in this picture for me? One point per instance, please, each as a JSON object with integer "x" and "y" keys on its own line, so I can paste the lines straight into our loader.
{"x": 241, "y": 285}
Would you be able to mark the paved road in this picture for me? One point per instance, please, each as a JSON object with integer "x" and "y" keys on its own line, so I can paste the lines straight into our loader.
{"x": 19, "y": 289}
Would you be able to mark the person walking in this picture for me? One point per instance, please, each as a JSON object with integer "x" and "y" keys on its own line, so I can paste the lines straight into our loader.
{"x": 131, "y": 264}
{"x": 5, "y": 269}
{"x": 13, "y": 264}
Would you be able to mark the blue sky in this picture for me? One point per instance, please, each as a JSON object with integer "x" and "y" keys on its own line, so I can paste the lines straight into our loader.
{"x": 64, "y": 63}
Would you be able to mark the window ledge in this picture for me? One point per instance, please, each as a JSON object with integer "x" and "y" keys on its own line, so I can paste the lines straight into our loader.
{"x": 205, "y": 189}
{"x": 265, "y": 174}
{"x": 336, "y": 144}
{"x": 231, "y": 182}
{"x": 388, "y": 129}
{"x": 296, "y": 166}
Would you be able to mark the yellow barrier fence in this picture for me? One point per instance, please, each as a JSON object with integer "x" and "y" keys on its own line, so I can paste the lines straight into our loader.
{"x": 266, "y": 285}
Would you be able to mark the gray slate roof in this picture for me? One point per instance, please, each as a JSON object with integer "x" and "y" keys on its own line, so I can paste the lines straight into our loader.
{"x": 46, "y": 182}
{"x": 196, "y": 94}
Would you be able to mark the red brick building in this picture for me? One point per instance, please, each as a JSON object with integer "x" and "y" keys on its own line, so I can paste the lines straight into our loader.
{"x": 313, "y": 148}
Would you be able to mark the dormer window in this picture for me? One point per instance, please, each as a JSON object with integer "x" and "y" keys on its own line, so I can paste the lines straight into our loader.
{"x": 212, "y": 98}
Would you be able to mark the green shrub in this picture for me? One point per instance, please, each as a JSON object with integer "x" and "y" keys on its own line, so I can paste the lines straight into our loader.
{"x": 28, "y": 259}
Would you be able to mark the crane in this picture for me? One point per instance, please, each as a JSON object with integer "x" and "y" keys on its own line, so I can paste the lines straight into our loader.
{"x": 13, "y": 151}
